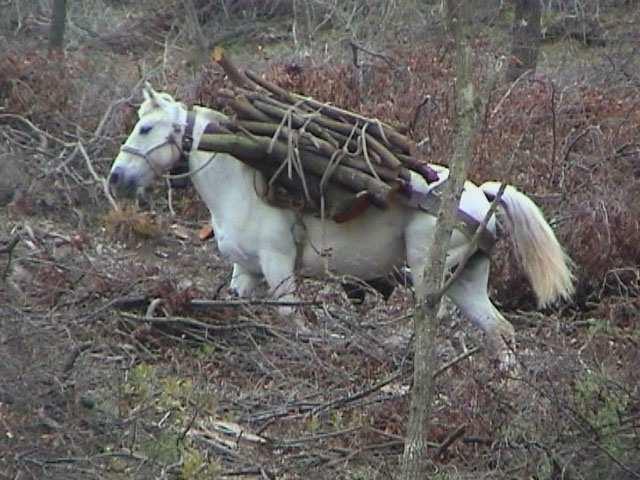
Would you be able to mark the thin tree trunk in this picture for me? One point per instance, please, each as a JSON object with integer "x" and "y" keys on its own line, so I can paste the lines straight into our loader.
{"x": 526, "y": 35}
{"x": 201, "y": 49}
{"x": 414, "y": 460}
{"x": 58, "y": 25}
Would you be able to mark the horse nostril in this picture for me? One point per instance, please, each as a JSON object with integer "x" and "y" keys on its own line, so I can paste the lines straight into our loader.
{"x": 115, "y": 177}
{"x": 123, "y": 182}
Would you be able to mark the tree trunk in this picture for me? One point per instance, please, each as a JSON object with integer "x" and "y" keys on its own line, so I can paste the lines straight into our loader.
{"x": 428, "y": 298}
{"x": 200, "y": 53}
{"x": 525, "y": 37}
{"x": 58, "y": 25}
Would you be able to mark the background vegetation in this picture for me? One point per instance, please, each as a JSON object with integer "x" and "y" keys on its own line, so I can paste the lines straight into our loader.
{"x": 93, "y": 391}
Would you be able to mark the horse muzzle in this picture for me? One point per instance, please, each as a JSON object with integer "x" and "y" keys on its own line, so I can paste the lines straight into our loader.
{"x": 123, "y": 183}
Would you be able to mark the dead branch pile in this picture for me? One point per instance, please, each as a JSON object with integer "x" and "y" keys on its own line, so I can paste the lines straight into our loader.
{"x": 323, "y": 158}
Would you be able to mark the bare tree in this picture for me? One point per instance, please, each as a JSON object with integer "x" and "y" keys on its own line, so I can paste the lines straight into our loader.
{"x": 428, "y": 299}
{"x": 58, "y": 25}
{"x": 525, "y": 38}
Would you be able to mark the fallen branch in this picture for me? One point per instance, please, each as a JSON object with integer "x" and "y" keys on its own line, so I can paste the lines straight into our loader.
{"x": 197, "y": 303}
{"x": 455, "y": 361}
{"x": 368, "y": 391}
{"x": 188, "y": 327}
{"x": 450, "y": 440}
{"x": 8, "y": 249}
{"x": 143, "y": 301}
{"x": 73, "y": 356}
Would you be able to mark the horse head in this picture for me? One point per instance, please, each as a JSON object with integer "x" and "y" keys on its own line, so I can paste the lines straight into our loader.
{"x": 154, "y": 145}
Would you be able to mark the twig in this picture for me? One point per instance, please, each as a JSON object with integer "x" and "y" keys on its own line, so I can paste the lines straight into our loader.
{"x": 506, "y": 95}
{"x": 361, "y": 394}
{"x": 554, "y": 131}
{"x": 40, "y": 132}
{"x": 73, "y": 356}
{"x": 170, "y": 197}
{"x": 355, "y": 47}
{"x": 367, "y": 448}
{"x": 296, "y": 442}
{"x": 187, "y": 322}
{"x": 197, "y": 303}
{"x": 103, "y": 121}
{"x": 153, "y": 306}
{"x": 450, "y": 440}
{"x": 455, "y": 361}
{"x": 416, "y": 113}
{"x": 98, "y": 178}
{"x": 249, "y": 471}
{"x": 368, "y": 391}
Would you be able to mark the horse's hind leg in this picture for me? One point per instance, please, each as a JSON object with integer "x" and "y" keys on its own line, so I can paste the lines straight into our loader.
{"x": 469, "y": 293}
{"x": 278, "y": 270}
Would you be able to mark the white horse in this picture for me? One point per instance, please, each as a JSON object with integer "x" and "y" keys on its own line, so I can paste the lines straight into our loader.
{"x": 277, "y": 244}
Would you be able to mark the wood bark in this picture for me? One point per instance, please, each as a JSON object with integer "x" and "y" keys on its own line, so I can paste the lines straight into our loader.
{"x": 428, "y": 298}
{"x": 58, "y": 25}
{"x": 263, "y": 154}
{"x": 348, "y": 152}
{"x": 311, "y": 143}
{"x": 525, "y": 38}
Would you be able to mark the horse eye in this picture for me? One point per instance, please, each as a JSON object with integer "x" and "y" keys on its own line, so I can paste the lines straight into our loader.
{"x": 145, "y": 129}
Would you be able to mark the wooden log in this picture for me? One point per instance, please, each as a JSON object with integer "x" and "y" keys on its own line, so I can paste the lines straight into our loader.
{"x": 275, "y": 113}
{"x": 379, "y": 150}
{"x": 326, "y": 127}
{"x": 334, "y": 138}
{"x": 383, "y": 132}
{"x": 244, "y": 109}
{"x": 315, "y": 125}
{"x": 385, "y": 154}
{"x": 380, "y": 130}
{"x": 255, "y": 150}
{"x": 271, "y": 87}
{"x": 235, "y": 75}
{"x": 311, "y": 143}
{"x": 262, "y": 124}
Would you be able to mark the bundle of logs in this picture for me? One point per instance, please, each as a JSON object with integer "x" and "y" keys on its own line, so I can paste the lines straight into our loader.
{"x": 314, "y": 155}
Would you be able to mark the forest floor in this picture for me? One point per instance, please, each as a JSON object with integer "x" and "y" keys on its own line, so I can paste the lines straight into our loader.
{"x": 97, "y": 385}
{"x": 122, "y": 355}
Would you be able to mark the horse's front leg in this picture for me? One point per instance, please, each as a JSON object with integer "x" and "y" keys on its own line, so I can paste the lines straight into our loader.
{"x": 278, "y": 269}
{"x": 243, "y": 281}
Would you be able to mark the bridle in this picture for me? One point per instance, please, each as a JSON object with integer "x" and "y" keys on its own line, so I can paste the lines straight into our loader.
{"x": 184, "y": 146}
{"x": 170, "y": 140}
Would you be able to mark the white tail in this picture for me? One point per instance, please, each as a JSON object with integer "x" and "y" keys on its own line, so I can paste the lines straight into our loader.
{"x": 542, "y": 257}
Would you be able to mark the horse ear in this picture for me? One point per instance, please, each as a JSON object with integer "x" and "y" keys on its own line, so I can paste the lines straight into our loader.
{"x": 148, "y": 92}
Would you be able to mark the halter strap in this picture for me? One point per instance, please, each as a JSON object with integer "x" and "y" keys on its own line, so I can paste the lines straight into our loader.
{"x": 188, "y": 139}
{"x": 185, "y": 125}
